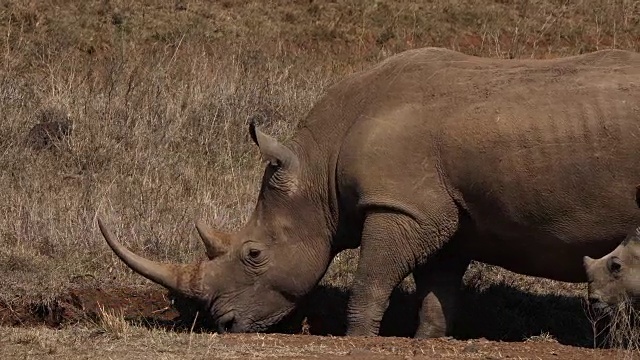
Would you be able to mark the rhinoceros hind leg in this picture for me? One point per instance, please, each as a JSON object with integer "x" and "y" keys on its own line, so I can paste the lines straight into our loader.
{"x": 438, "y": 287}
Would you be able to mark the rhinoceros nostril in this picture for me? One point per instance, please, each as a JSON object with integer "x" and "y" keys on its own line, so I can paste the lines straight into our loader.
{"x": 226, "y": 322}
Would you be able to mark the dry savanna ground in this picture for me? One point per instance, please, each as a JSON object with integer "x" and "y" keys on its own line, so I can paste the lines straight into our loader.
{"x": 150, "y": 101}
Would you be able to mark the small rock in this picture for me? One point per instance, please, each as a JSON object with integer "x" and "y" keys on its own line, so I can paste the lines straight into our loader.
{"x": 471, "y": 348}
{"x": 53, "y": 125}
{"x": 43, "y": 135}
{"x": 305, "y": 327}
{"x": 359, "y": 352}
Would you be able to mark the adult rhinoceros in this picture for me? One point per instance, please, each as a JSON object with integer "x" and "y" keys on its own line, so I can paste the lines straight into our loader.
{"x": 426, "y": 161}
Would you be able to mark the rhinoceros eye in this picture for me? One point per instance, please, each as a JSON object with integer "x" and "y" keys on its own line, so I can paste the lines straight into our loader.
{"x": 255, "y": 253}
{"x": 254, "y": 256}
{"x": 614, "y": 264}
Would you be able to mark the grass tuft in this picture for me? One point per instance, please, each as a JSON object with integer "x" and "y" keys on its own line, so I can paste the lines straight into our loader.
{"x": 112, "y": 322}
{"x": 623, "y": 331}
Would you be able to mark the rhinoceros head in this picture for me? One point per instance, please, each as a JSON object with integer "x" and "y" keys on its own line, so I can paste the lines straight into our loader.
{"x": 615, "y": 277}
{"x": 254, "y": 277}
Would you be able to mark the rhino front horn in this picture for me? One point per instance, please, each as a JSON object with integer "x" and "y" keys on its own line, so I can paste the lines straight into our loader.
{"x": 587, "y": 261}
{"x": 216, "y": 243}
{"x": 176, "y": 277}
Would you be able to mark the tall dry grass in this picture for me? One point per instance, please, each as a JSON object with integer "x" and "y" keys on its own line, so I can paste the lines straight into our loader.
{"x": 619, "y": 328}
{"x": 159, "y": 95}
{"x": 157, "y": 141}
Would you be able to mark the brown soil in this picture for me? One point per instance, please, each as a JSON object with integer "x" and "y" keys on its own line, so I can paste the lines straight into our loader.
{"x": 405, "y": 348}
{"x": 84, "y": 304}
{"x": 154, "y": 308}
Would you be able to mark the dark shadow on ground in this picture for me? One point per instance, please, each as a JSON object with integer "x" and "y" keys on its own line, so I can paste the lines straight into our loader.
{"x": 499, "y": 313}
{"x": 505, "y": 313}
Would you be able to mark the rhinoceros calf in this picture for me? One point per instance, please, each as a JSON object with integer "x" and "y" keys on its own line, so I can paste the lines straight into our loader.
{"x": 426, "y": 161}
{"x": 615, "y": 277}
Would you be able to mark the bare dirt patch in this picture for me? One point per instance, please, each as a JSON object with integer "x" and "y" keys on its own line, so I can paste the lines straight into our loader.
{"x": 497, "y": 319}
{"x": 84, "y": 304}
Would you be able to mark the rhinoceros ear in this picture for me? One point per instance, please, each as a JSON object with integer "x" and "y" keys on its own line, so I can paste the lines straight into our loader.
{"x": 636, "y": 236}
{"x": 272, "y": 151}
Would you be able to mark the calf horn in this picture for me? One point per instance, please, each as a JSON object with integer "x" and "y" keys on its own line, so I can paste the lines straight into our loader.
{"x": 588, "y": 261}
{"x": 216, "y": 243}
{"x": 174, "y": 277}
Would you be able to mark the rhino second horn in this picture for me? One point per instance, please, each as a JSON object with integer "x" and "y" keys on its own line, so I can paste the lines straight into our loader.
{"x": 215, "y": 243}
{"x": 167, "y": 275}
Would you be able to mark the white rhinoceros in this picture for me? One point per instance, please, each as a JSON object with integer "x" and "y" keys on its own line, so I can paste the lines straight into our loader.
{"x": 427, "y": 161}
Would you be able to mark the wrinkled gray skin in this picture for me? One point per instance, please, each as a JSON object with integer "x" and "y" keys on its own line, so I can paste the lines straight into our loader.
{"x": 615, "y": 277}
{"x": 426, "y": 161}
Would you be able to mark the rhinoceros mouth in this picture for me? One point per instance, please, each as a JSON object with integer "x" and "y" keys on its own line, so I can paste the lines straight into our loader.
{"x": 232, "y": 323}
{"x": 270, "y": 323}
{"x": 227, "y": 323}
{"x": 601, "y": 308}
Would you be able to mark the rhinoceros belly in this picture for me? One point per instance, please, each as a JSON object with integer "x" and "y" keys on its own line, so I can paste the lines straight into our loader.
{"x": 548, "y": 176}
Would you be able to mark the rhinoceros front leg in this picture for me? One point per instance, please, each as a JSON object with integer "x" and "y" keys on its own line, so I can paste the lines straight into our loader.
{"x": 390, "y": 247}
{"x": 439, "y": 286}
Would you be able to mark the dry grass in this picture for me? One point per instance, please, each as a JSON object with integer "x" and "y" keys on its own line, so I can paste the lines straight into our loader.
{"x": 622, "y": 330}
{"x": 159, "y": 95}
{"x": 83, "y": 342}
{"x": 113, "y": 322}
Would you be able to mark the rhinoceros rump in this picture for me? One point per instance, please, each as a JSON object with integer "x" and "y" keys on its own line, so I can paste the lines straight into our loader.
{"x": 426, "y": 161}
